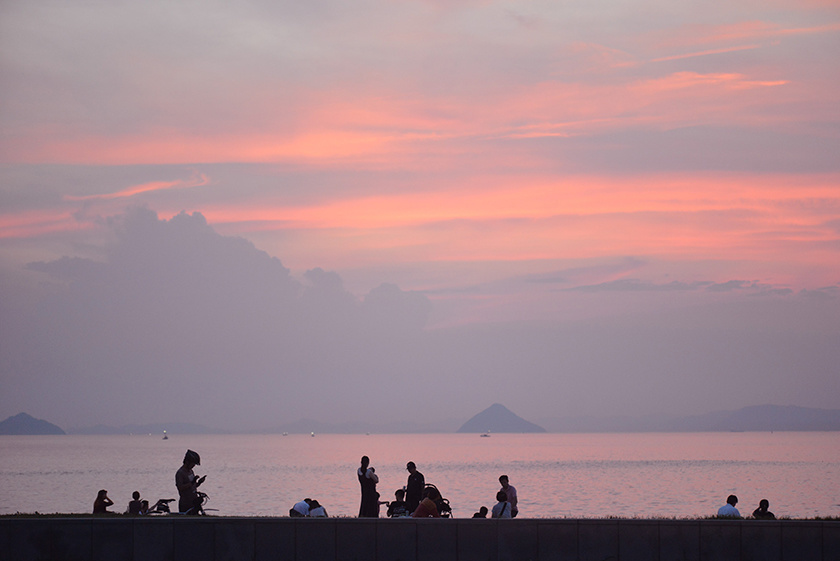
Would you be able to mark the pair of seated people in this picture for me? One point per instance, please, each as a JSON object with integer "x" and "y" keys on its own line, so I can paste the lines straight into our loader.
{"x": 761, "y": 513}
{"x": 308, "y": 508}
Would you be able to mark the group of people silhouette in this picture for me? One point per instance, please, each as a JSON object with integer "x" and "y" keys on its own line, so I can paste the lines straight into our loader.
{"x": 761, "y": 513}
{"x": 416, "y": 499}
{"x": 190, "y": 499}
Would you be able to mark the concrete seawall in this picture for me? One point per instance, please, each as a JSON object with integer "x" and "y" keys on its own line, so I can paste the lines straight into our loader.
{"x": 174, "y": 538}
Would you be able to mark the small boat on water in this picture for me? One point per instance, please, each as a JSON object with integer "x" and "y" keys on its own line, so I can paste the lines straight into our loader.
{"x": 165, "y": 436}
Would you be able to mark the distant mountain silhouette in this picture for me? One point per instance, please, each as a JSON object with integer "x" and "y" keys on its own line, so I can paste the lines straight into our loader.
{"x": 26, "y": 424}
{"x": 753, "y": 418}
{"x": 766, "y": 418}
{"x": 498, "y": 418}
{"x": 154, "y": 428}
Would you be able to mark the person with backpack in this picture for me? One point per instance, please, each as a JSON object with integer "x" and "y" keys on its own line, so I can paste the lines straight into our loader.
{"x": 502, "y": 509}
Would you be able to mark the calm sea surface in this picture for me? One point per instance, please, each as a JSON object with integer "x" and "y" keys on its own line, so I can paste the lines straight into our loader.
{"x": 557, "y": 475}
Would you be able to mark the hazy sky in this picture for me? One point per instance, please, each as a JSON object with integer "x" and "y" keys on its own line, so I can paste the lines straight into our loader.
{"x": 244, "y": 213}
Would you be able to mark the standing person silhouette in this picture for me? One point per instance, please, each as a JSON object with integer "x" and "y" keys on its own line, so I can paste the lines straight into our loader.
{"x": 368, "y": 479}
{"x": 510, "y": 493}
{"x": 187, "y": 484}
{"x": 414, "y": 488}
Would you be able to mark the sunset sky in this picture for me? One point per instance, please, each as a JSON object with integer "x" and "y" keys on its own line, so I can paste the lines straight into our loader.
{"x": 577, "y": 183}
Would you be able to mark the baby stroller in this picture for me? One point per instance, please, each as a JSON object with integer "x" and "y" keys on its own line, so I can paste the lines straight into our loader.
{"x": 443, "y": 507}
{"x": 160, "y": 507}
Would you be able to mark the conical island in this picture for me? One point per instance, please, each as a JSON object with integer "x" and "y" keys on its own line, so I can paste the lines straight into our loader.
{"x": 498, "y": 418}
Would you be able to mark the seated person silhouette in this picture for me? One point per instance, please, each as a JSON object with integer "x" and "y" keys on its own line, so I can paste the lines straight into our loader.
{"x": 102, "y": 502}
{"x": 761, "y": 513}
{"x": 502, "y": 509}
{"x": 728, "y": 510}
{"x": 397, "y": 508}
{"x": 135, "y": 506}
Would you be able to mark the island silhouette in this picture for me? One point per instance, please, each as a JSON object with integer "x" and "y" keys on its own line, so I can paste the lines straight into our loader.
{"x": 498, "y": 418}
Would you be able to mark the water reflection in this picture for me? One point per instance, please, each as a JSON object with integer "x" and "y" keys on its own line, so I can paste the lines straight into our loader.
{"x": 571, "y": 475}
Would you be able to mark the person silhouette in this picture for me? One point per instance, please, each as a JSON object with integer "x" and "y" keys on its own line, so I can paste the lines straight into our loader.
{"x": 503, "y": 508}
{"x": 761, "y": 513}
{"x": 510, "y": 492}
{"x": 428, "y": 506}
{"x": 414, "y": 487}
{"x": 397, "y": 508}
{"x": 301, "y": 508}
{"x": 482, "y": 513}
{"x": 728, "y": 510}
{"x": 316, "y": 510}
{"x": 102, "y": 502}
{"x": 135, "y": 505}
{"x": 187, "y": 484}
{"x": 369, "y": 507}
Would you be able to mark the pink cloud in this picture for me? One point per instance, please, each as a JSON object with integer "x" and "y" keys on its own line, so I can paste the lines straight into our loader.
{"x": 693, "y": 35}
{"x": 735, "y": 217}
{"x": 37, "y": 223}
{"x": 707, "y": 52}
{"x": 197, "y": 180}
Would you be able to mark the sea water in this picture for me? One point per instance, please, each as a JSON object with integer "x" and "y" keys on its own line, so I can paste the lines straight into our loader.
{"x": 556, "y": 475}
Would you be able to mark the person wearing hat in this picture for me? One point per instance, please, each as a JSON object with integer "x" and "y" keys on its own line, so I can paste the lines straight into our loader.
{"x": 187, "y": 484}
{"x": 414, "y": 488}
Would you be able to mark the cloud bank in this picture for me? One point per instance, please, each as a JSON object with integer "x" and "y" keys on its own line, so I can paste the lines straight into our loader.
{"x": 179, "y": 323}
